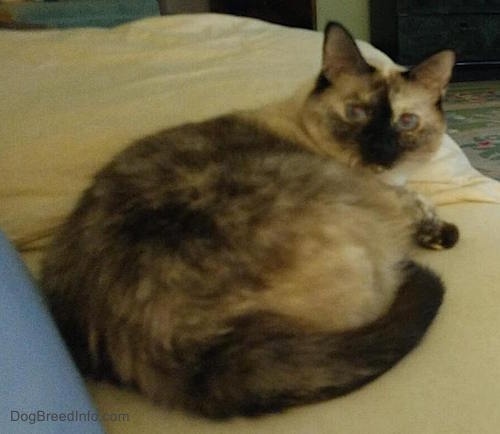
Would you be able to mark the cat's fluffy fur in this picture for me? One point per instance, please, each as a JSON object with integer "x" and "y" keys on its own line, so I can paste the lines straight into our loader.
{"x": 240, "y": 266}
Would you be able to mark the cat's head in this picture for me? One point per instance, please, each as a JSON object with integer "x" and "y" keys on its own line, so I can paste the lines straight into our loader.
{"x": 361, "y": 115}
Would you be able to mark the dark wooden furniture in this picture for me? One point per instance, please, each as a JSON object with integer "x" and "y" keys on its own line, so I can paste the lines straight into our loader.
{"x": 294, "y": 13}
{"x": 409, "y": 30}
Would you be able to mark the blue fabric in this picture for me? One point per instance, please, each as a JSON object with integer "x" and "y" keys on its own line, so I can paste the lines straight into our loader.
{"x": 41, "y": 390}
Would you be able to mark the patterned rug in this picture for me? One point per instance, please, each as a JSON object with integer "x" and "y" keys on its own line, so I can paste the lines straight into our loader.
{"x": 473, "y": 115}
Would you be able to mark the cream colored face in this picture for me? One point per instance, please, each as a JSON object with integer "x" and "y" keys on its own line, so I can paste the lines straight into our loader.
{"x": 377, "y": 119}
{"x": 416, "y": 113}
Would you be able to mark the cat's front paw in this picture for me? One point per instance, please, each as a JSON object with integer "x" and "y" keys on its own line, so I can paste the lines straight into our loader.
{"x": 436, "y": 234}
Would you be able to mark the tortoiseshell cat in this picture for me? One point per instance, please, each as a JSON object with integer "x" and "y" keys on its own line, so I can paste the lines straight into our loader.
{"x": 254, "y": 261}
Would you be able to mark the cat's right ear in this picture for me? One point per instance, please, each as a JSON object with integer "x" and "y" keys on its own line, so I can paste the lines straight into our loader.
{"x": 435, "y": 71}
{"x": 341, "y": 54}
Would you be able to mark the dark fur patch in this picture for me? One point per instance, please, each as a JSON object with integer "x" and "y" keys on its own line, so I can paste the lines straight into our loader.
{"x": 378, "y": 140}
{"x": 435, "y": 234}
{"x": 406, "y": 74}
{"x": 321, "y": 84}
{"x": 439, "y": 103}
{"x": 449, "y": 235}
{"x": 171, "y": 225}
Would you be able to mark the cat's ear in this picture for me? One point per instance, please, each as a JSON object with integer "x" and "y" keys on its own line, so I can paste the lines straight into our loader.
{"x": 341, "y": 54}
{"x": 435, "y": 71}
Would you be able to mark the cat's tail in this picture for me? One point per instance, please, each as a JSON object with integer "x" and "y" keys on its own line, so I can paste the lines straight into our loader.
{"x": 267, "y": 363}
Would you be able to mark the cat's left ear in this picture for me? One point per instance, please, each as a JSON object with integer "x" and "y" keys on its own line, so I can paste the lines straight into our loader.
{"x": 435, "y": 71}
{"x": 341, "y": 54}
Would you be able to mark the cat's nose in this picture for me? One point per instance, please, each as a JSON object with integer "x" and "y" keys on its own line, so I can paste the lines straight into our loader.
{"x": 380, "y": 148}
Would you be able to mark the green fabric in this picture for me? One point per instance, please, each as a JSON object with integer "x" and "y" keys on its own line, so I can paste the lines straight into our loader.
{"x": 473, "y": 115}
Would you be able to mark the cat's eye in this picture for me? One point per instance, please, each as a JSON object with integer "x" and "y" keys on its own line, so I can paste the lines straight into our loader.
{"x": 407, "y": 122}
{"x": 356, "y": 113}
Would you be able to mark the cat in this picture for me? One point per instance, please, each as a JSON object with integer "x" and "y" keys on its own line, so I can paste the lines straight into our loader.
{"x": 253, "y": 262}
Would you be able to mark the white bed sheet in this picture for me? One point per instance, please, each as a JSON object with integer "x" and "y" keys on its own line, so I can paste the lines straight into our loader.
{"x": 73, "y": 98}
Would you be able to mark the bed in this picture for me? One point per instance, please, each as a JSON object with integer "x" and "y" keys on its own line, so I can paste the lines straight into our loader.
{"x": 73, "y": 98}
